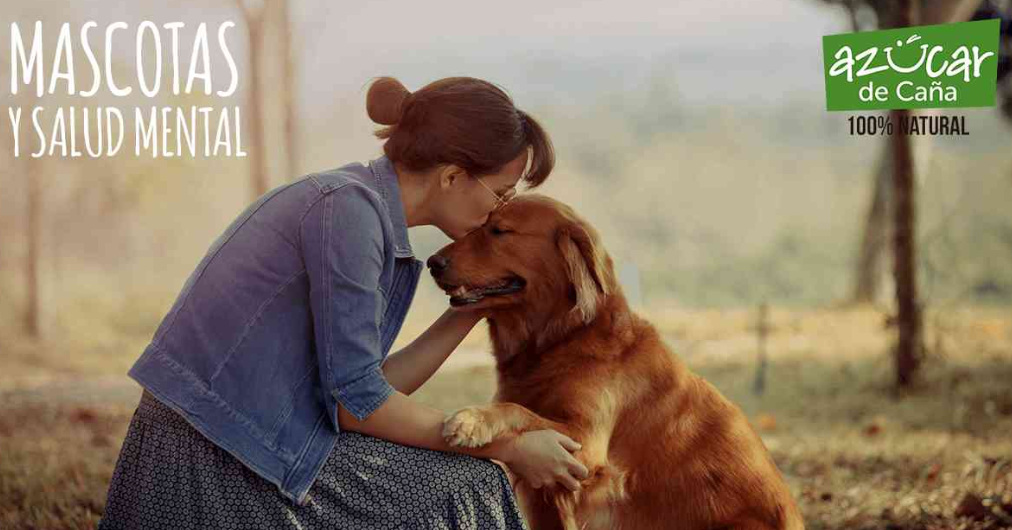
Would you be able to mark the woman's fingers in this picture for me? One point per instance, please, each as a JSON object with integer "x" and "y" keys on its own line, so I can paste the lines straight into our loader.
{"x": 578, "y": 470}
{"x": 568, "y": 442}
{"x": 569, "y": 482}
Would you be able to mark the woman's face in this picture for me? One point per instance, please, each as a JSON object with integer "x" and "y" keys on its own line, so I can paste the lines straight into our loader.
{"x": 463, "y": 203}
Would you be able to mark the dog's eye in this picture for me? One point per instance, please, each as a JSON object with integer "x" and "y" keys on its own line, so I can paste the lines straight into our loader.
{"x": 498, "y": 231}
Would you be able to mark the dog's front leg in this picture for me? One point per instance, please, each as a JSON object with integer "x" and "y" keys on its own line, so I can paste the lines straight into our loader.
{"x": 552, "y": 507}
{"x": 478, "y": 426}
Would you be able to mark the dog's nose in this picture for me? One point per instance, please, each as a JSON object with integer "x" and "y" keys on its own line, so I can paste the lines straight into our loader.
{"x": 437, "y": 264}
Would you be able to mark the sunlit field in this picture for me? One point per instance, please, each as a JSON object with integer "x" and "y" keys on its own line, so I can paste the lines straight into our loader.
{"x": 855, "y": 454}
{"x": 694, "y": 138}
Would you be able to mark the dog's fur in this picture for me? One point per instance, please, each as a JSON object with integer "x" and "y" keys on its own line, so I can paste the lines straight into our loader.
{"x": 664, "y": 448}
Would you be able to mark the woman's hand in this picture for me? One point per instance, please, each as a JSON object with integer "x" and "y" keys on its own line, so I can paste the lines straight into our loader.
{"x": 542, "y": 458}
{"x": 413, "y": 365}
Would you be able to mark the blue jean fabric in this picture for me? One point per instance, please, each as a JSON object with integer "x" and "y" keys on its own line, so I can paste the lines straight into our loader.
{"x": 292, "y": 310}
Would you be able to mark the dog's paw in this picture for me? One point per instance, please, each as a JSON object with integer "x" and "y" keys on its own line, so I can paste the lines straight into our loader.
{"x": 468, "y": 428}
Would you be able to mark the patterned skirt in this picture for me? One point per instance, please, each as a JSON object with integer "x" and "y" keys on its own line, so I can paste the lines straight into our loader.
{"x": 170, "y": 476}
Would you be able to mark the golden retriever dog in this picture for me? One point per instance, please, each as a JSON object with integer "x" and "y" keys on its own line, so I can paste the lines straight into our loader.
{"x": 664, "y": 448}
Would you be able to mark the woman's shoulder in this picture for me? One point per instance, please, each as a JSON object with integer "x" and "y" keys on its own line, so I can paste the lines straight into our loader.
{"x": 359, "y": 192}
{"x": 353, "y": 173}
{"x": 352, "y": 190}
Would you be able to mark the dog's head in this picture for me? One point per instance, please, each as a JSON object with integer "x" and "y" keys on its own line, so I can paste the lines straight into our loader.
{"x": 534, "y": 255}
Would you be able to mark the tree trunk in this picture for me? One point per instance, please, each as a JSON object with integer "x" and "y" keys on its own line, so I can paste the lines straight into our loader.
{"x": 33, "y": 309}
{"x": 867, "y": 278}
{"x": 288, "y": 90}
{"x": 254, "y": 105}
{"x": 908, "y": 351}
{"x": 876, "y": 226}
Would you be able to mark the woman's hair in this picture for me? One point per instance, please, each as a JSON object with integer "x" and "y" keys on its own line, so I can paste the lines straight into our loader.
{"x": 457, "y": 120}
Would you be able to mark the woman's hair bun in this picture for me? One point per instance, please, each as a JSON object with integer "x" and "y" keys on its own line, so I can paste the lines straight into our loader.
{"x": 385, "y": 100}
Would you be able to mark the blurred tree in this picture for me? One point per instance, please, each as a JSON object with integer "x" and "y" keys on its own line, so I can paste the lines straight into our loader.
{"x": 896, "y": 14}
{"x": 7, "y": 170}
{"x": 909, "y": 344}
{"x": 33, "y": 236}
{"x": 33, "y": 212}
{"x": 269, "y": 38}
{"x": 1002, "y": 10}
{"x": 867, "y": 276}
{"x": 32, "y": 326}
{"x": 280, "y": 15}
{"x": 253, "y": 14}
{"x": 883, "y": 14}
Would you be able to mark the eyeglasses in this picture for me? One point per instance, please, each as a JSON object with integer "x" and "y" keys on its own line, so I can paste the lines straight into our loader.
{"x": 500, "y": 200}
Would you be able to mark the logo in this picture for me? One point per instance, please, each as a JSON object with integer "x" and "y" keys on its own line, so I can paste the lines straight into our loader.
{"x": 920, "y": 67}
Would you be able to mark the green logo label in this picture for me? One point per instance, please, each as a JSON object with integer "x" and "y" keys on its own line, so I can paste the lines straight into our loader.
{"x": 920, "y": 67}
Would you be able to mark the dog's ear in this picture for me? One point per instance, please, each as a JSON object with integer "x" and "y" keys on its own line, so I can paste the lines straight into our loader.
{"x": 587, "y": 264}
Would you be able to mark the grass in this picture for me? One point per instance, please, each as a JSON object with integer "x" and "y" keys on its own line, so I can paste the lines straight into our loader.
{"x": 856, "y": 454}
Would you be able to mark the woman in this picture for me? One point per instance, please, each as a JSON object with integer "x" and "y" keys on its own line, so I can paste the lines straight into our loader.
{"x": 269, "y": 400}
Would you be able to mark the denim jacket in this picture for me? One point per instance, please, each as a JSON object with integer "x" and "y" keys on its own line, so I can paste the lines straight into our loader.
{"x": 292, "y": 310}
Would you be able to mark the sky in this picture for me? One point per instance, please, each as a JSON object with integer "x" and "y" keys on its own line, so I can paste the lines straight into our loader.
{"x": 721, "y": 50}
{"x": 715, "y": 51}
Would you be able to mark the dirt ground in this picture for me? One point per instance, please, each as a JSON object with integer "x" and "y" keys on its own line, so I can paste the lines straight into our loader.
{"x": 856, "y": 454}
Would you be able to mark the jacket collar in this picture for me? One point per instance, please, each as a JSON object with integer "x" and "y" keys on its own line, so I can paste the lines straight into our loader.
{"x": 389, "y": 188}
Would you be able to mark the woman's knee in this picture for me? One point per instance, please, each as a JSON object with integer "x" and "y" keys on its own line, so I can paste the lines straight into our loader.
{"x": 465, "y": 471}
{"x": 439, "y": 469}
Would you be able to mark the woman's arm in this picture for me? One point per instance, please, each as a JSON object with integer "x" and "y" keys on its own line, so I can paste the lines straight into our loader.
{"x": 401, "y": 419}
{"x": 342, "y": 246}
{"x": 413, "y": 365}
{"x": 541, "y": 457}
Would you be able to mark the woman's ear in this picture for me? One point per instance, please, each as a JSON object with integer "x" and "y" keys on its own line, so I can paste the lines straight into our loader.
{"x": 587, "y": 266}
{"x": 451, "y": 175}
